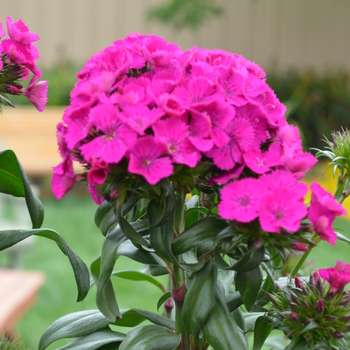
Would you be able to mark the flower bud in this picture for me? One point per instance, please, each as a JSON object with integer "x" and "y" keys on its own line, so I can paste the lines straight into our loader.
{"x": 330, "y": 318}
{"x": 306, "y": 305}
{"x": 338, "y": 335}
{"x": 344, "y": 319}
{"x": 319, "y": 307}
{"x": 294, "y": 317}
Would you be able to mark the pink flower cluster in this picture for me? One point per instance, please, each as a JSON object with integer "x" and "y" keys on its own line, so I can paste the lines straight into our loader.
{"x": 19, "y": 51}
{"x": 145, "y": 102}
{"x": 338, "y": 277}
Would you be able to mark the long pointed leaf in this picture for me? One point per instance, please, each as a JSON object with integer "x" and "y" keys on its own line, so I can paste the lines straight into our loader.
{"x": 81, "y": 272}
{"x": 150, "y": 338}
{"x": 73, "y": 325}
{"x": 220, "y": 330}
{"x": 199, "y": 299}
{"x": 96, "y": 340}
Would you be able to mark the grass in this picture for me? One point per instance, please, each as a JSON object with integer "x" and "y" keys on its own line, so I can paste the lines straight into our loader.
{"x": 73, "y": 218}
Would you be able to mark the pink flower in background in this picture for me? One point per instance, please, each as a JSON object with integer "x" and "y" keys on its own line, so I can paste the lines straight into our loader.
{"x": 322, "y": 212}
{"x": 18, "y": 31}
{"x": 240, "y": 200}
{"x": 36, "y": 93}
{"x": 147, "y": 159}
{"x": 2, "y": 32}
{"x": 338, "y": 277}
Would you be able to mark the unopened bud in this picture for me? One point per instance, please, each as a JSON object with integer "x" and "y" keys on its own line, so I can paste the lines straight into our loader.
{"x": 294, "y": 296}
{"x": 319, "y": 307}
{"x": 306, "y": 305}
{"x": 344, "y": 319}
{"x": 294, "y": 317}
{"x": 169, "y": 305}
{"x": 299, "y": 247}
{"x": 330, "y": 318}
{"x": 338, "y": 335}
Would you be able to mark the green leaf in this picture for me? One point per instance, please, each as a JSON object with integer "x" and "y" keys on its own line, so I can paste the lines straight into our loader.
{"x": 10, "y": 174}
{"x": 161, "y": 236}
{"x": 341, "y": 237}
{"x": 138, "y": 276}
{"x": 150, "y": 338}
{"x": 219, "y": 329}
{"x": 133, "y": 317}
{"x": 73, "y": 325}
{"x": 163, "y": 299}
{"x": 234, "y": 301}
{"x": 199, "y": 299}
{"x": 262, "y": 330}
{"x": 81, "y": 272}
{"x": 129, "y": 231}
{"x": 248, "y": 284}
{"x": 105, "y": 217}
{"x": 203, "y": 231}
{"x": 128, "y": 249}
{"x": 14, "y": 181}
{"x": 96, "y": 340}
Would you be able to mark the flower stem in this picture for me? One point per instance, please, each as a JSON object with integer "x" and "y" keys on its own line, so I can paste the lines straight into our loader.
{"x": 316, "y": 239}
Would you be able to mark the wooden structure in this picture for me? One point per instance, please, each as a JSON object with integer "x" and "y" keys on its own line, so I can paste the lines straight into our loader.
{"x": 18, "y": 292}
{"x": 273, "y": 33}
{"x": 32, "y": 136}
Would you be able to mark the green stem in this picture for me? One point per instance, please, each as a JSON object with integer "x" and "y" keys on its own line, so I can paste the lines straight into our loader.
{"x": 316, "y": 239}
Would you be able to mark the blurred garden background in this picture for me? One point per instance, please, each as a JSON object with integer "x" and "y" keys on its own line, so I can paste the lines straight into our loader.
{"x": 302, "y": 45}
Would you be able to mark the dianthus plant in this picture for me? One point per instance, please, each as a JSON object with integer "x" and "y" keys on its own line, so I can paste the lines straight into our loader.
{"x": 197, "y": 175}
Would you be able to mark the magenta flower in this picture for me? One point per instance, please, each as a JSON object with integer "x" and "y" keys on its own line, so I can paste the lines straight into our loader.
{"x": 147, "y": 159}
{"x": 240, "y": 200}
{"x": 116, "y": 137}
{"x": 260, "y": 162}
{"x": 98, "y": 172}
{"x": 281, "y": 209}
{"x": 173, "y": 133}
{"x": 36, "y": 93}
{"x": 322, "y": 212}
{"x": 63, "y": 178}
{"x": 338, "y": 277}
{"x": 2, "y": 32}
{"x": 19, "y": 32}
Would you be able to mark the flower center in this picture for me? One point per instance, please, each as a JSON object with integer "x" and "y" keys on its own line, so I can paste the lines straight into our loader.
{"x": 244, "y": 201}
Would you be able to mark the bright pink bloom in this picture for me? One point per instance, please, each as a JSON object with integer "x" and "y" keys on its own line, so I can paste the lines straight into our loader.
{"x": 61, "y": 130}
{"x": 338, "y": 277}
{"x": 19, "y": 32}
{"x": 140, "y": 117}
{"x": 63, "y": 178}
{"x": 173, "y": 133}
{"x": 299, "y": 247}
{"x": 322, "y": 212}
{"x": 95, "y": 195}
{"x": 116, "y": 137}
{"x": 77, "y": 125}
{"x": 260, "y": 162}
{"x": 227, "y": 176}
{"x": 146, "y": 159}
{"x": 281, "y": 209}
{"x": 288, "y": 137}
{"x": 299, "y": 163}
{"x": 240, "y": 200}
{"x": 241, "y": 135}
{"x": 199, "y": 128}
{"x": 254, "y": 87}
{"x": 36, "y": 93}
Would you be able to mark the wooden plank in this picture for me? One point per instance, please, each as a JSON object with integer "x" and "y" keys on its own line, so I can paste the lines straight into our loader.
{"x": 18, "y": 292}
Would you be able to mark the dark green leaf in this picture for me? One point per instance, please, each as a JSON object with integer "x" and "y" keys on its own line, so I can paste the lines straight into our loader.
{"x": 150, "y": 338}
{"x": 161, "y": 236}
{"x": 129, "y": 250}
{"x": 205, "y": 230}
{"x": 234, "y": 301}
{"x": 129, "y": 231}
{"x": 73, "y": 325}
{"x": 14, "y": 181}
{"x": 199, "y": 299}
{"x": 138, "y": 276}
{"x": 105, "y": 217}
{"x": 220, "y": 330}
{"x": 262, "y": 330}
{"x": 81, "y": 272}
{"x": 248, "y": 284}
{"x": 133, "y": 317}
{"x": 10, "y": 174}
{"x": 97, "y": 340}
{"x": 163, "y": 299}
